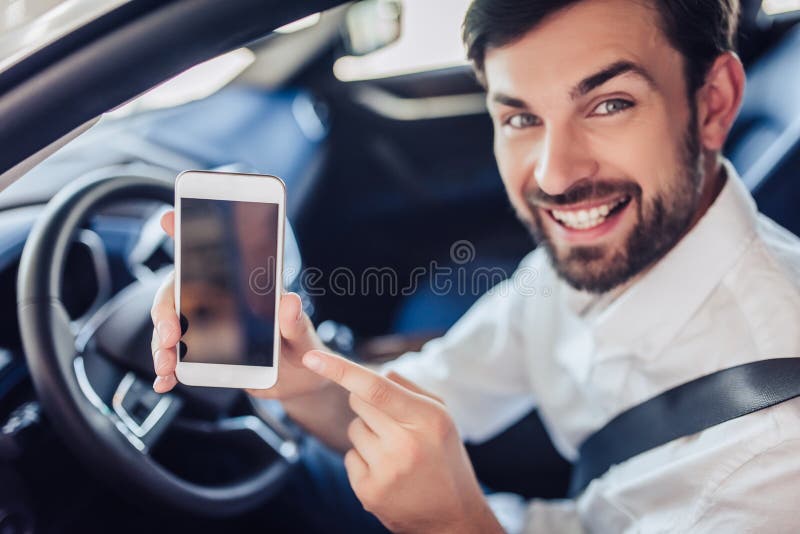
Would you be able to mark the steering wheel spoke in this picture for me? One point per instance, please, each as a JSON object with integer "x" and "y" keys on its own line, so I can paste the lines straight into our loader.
{"x": 120, "y": 329}
{"x": 144, "y": 412}
{"x": 128, "y": 402}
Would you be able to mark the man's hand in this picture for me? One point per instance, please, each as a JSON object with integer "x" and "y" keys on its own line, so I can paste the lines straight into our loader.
{"x": 297, "y": 337}
{"x": 407, "y": 464}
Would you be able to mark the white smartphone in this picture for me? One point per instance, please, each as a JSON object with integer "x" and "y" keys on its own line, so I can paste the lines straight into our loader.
{"x": 228, "y": 277}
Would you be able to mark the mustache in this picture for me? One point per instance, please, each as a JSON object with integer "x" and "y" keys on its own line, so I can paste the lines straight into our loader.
{"x": 584, "y": 191}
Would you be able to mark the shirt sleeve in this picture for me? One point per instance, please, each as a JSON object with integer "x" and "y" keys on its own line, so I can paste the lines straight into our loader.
{"x": 759, "y": 496}
{"x": 479, "y": 366}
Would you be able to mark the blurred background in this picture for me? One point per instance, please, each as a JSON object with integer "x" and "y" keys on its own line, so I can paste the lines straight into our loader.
{"x": 373, "y": 119}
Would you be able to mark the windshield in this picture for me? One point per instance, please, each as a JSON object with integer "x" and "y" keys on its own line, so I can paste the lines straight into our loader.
{"x": 29, "y": 25}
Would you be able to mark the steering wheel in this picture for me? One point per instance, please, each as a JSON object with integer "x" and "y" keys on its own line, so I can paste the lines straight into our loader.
{"x": 94, "y": 379}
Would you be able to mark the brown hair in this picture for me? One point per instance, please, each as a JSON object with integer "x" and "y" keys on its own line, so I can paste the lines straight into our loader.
{"x": 700, "y": 30}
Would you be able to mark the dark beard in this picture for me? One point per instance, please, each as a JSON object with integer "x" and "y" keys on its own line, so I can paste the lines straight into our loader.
{"x": 659, "y": 226}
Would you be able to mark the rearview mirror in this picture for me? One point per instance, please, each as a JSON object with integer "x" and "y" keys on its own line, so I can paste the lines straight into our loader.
{"x": 371, "y": 25}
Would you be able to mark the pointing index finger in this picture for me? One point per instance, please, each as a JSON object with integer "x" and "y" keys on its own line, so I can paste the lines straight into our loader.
{"x": 377, "y": 390}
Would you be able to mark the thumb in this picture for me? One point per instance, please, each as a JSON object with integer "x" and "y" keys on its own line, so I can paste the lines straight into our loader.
{"x": 296, "y": 327}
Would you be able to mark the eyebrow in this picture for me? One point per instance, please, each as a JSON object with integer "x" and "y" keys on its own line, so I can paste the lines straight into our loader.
{"x": 510, "y": 101}
{"x": 588, "y": 84}
{"x": 606, "y": 74}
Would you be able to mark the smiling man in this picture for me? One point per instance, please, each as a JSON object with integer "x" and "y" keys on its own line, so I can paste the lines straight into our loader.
{"x": 654, "y": 268}
{"x": 597, "y": 129}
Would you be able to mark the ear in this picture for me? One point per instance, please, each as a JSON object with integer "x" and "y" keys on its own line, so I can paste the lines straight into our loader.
{"x": 718, "y": 101}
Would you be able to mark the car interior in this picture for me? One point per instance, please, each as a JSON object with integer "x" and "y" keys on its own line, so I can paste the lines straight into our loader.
{"x": 387, "y": 162}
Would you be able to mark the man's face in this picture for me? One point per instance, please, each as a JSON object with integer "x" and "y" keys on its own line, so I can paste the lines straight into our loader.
{"x": 596, "y": 139}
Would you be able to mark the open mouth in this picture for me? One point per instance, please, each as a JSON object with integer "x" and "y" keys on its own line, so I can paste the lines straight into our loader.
{"x": 589, "y": 217}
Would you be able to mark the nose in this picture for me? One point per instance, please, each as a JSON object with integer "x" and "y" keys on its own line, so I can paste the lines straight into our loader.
{"x": 563, "y": 160}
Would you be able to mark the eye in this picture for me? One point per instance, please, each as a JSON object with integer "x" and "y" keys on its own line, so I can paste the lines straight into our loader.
{"x": 519, "y": 121}
{"x": 612, "y": 107}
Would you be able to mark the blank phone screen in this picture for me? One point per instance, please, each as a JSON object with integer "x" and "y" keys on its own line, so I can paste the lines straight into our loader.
{"x": 228, "y": 281}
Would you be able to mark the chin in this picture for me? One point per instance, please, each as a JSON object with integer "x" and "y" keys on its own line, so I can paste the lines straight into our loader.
{"x": 593, "y": 268}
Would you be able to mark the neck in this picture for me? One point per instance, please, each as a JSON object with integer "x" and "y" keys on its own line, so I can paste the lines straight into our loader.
{"x": 714, "y": 177}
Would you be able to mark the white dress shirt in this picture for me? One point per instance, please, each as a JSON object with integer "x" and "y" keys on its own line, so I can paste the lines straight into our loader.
{"x": 728, "y": 293}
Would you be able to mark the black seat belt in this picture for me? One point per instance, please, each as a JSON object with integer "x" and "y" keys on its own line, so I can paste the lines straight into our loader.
{"x": 684, "y": 410}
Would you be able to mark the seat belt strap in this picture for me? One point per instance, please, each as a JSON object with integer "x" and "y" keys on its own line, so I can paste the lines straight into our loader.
{"x": 685, "y": 410}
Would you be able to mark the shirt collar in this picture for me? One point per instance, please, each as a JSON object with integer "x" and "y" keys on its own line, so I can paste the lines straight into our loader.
{"x": 649, "y": 312}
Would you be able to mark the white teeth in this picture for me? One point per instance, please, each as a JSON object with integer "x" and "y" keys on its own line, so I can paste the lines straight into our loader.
{"x": 585, "y": 219}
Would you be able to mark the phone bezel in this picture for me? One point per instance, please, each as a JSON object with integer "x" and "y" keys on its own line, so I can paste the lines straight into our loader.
{"x": 243, "y": 187}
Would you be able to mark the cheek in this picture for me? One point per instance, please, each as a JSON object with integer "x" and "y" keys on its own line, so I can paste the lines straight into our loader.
{"x": 514, "y": 161}
{"x": 645, "y": 151}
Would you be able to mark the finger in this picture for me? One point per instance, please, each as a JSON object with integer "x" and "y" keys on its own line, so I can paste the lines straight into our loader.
{"x": 164, "y": 361}
{"x": 356, "y": 466}
{"x": 165, "y": 319}
{"x": 364, "y": 441}
{"x": 396, "y": 401}
{"x": 154, "y": 343}
{"x": 168, "y": 222}
{"x": 296, "y": 328}
{"x": 163, "y": 384}
{"x": 382, "y": 425}
{"x": 408, "y": 384}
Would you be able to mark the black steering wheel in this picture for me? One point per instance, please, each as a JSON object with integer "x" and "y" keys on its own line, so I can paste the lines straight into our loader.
{"x": 94, "y": 379}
